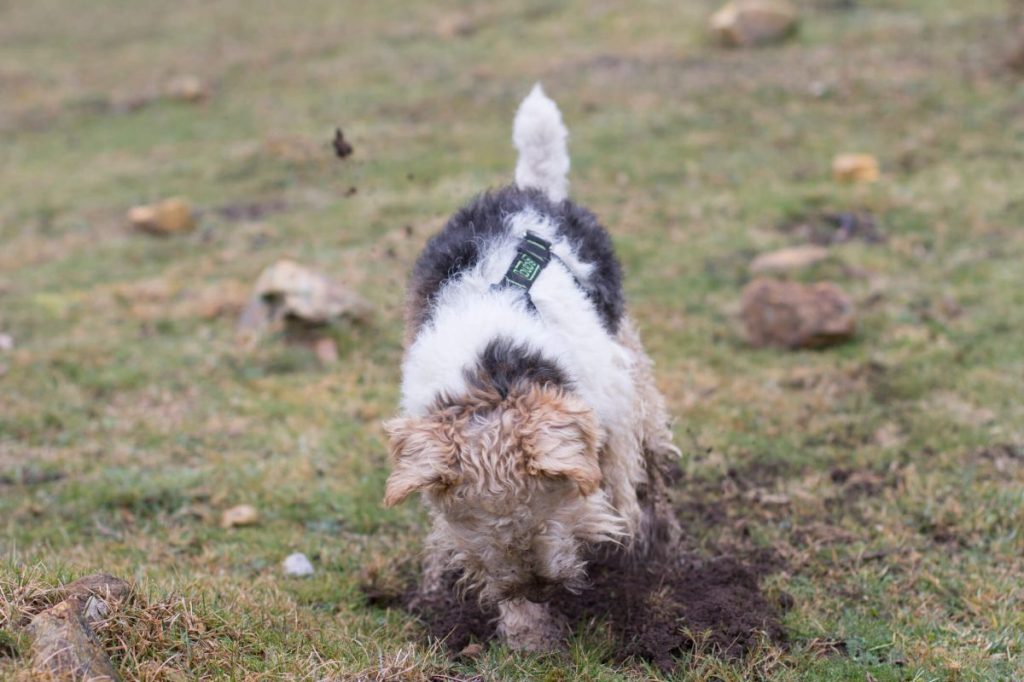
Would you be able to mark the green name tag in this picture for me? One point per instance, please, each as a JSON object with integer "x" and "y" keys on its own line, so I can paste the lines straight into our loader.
{"x": 526, "y": 267}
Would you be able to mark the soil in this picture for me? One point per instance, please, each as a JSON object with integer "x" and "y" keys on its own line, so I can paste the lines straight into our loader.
{"x": 655, "y": 609}
{"x": 827, "y": 228}
{"x": 685, "y": 597}
{"x": 250, "y": 211}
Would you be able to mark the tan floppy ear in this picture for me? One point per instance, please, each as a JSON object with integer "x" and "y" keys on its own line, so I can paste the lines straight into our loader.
{"x": 418, "y": 457}
{"x": 565, "y": 437}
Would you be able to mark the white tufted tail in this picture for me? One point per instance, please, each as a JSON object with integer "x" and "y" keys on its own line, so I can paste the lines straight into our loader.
{"x": 540, "y": 136}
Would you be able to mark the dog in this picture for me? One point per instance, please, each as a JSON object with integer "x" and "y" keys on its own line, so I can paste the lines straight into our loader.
{"x": 530, "y": 421}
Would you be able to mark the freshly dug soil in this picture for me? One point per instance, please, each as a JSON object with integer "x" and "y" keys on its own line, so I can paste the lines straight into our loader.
{"x": 655, "y": 609}
{"x": 660, "y": 608}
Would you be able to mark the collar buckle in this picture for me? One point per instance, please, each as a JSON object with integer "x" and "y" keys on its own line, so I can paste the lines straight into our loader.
{"x": 532, "y": 255}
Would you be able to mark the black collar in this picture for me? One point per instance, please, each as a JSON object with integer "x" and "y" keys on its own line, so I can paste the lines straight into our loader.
{"x": 532, "y": 255}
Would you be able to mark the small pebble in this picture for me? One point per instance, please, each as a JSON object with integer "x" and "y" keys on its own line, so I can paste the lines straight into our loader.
{"x": 297, "y": 565}
{"x": 242, "y": 515}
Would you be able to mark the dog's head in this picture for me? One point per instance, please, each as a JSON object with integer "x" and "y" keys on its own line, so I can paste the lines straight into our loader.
{"x": 514, "y": 483}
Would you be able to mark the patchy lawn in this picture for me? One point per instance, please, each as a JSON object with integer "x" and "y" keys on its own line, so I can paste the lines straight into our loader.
{"x": 884, "y": 478}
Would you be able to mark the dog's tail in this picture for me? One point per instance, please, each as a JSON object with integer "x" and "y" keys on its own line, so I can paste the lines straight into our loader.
{"x": 540, "y": 136}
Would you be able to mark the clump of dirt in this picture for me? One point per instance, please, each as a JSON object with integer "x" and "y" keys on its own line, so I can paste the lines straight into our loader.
{"x": 827, "y": 228}
{"x": 342, "y": 148}
{"x": 251, "y": 211}
{"x": 450, "y": 616}
{"x": 655, "y": 608}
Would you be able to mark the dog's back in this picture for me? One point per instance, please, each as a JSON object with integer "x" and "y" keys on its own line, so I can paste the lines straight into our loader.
{"x": 456, "y": 307}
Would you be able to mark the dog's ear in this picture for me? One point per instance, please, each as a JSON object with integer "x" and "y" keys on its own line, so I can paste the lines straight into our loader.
{"x": 420, "y": 457}
{"x": 562, "y": 437}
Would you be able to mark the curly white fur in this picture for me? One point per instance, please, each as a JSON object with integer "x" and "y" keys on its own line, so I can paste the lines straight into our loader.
{"x": 540, "y": 136}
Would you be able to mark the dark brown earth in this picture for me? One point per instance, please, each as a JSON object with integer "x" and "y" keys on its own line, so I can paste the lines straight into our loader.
{"x": 341, "y": 146}
{"x": 251, "y": 210}
{"x": 834, "y": 227}
{"x": 655, "y": 609}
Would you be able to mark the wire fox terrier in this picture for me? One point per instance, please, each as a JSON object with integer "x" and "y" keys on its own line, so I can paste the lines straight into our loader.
{"x": 530, "y": 418}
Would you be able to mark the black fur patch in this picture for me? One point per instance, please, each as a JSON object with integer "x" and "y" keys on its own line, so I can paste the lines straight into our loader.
{"x": 505, "y": 365}
{"x": 457, "y": 248}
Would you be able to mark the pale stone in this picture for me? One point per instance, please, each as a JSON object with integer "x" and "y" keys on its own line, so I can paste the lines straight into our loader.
{"x": 297, "y": 565}
{"x": 787, "y": 260}
{"x": 242, "y": 515}
{"x": 171, "y": 216}
{"x": 747, "y": 23}
{"x": 855, "y": 168}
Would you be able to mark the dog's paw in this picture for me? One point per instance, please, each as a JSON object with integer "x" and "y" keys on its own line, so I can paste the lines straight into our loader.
{"x": 527, "y": 626}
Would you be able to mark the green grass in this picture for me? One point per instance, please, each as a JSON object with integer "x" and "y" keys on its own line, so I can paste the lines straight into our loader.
{"x": 127, "y": 391}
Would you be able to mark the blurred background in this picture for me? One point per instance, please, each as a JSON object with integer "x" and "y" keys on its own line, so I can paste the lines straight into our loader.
{"x": 208, "y": 211}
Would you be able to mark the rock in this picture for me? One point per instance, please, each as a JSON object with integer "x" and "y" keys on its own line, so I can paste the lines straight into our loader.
{"x": 787, "y": 260}
{"x": 6, "y": 342}
{"x": 748, "y": 23}
{"x": 793, "y": 315}
{"x": 171, "y": 216}
{"x": 297, "y": 565}
{"x": 64, "y": 646}
{"x": 100, "y": 586}
{"x": 242, "y": 515}
{"x": 855, "y": 168}
{"x": 289, "y": 292}
{"x": 187, "y": 88}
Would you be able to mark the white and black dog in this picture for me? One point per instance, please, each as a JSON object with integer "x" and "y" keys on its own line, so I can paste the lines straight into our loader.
{"x": 530, "y": 418}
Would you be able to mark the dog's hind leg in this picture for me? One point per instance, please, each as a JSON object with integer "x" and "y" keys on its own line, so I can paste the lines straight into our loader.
{"x": 660, "y": 453}
{"x": 436, "y": 562}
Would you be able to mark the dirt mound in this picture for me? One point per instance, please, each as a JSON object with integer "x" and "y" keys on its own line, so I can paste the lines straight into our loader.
{"x": 655, "y": 609}
{"x": 661, "y": 608}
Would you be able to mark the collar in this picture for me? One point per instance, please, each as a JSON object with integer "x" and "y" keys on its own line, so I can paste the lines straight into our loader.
{"x": 532, "y": 255}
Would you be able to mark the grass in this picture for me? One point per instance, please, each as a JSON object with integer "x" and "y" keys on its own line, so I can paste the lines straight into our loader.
{"x": 129, "y": 419}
